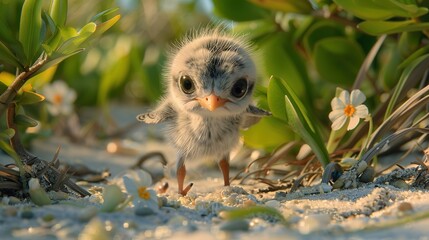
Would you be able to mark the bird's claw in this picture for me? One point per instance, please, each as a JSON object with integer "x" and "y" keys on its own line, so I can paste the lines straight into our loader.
{"x": 186, "y": 189}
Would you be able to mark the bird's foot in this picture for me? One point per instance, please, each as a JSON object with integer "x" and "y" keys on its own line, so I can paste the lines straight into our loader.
{"x": 185, "y": 191}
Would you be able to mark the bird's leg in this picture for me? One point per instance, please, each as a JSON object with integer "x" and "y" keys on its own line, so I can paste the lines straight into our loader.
{"x": 224, "y": 167}
{"x": 181, "y": 173}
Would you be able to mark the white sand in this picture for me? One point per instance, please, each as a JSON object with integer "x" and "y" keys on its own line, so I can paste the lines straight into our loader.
{"x": 337, "y": 214}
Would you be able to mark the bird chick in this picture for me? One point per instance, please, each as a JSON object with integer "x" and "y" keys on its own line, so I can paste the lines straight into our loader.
{"x": 209, "y": 83}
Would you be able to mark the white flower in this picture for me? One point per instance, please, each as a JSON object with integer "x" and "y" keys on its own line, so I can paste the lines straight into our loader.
{"x": 137, "y": 184}
{"x": 348, "y": 107}
{"x": 60, "y": 98}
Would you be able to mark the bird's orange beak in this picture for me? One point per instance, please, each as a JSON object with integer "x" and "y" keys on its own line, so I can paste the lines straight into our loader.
{"x": 212, "y": 102}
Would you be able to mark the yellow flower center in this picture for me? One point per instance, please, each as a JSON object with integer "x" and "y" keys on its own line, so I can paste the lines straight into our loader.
{"x": 58, "y": 99}
{"x": 143, "y": 193}
{"x": 349, "y": 110}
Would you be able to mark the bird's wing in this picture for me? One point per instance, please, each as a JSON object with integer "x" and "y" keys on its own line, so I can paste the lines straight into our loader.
{"x": 162, "y": 113}
{"x": 252, "y": 116}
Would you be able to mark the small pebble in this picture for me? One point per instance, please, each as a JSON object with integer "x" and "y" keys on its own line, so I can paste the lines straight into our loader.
{"x": 248, "y": 203}
{"x": 178, "y": 221}
{"x": 232, "y": 199}
{"x": 273, "y": 204}
{"x": 367, "y": 175}
{"x": 401, "y": 184}
{"x": 144, "y": 211}
{"x": 60, "y": 195}
{"x": 312, "y": 223}
{"x": 235, "y": 225}
{"x": 162, "y": 201}
{"x": 10, "y": 211}
{"x": 87, "y": 214}
{"x": 405, "y": 207}
{"x": 129, "y": 225}
{"x": 27, "y": 214}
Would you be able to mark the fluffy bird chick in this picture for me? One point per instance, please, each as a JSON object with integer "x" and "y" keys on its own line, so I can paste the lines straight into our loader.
{"x": 210, "y": 79}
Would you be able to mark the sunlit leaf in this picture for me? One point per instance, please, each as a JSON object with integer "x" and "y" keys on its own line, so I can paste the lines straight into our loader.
{"x": 30, "y": 27}
{"x": 268, "y": 134}
{"x": 58, "y": 11}
{"x": 104, "y": 26}
{"x": 381, "y": 9}
{"x": 389, "y": 27}
{"x": 242, "y": 213}
{"x": 275, "y": 96}
{"x": 299, "y": 119}
{"x": 238, "y": 10}
{"x": 6, "y": 78}
{"x": 70, "y": 45}
{"x": 295, "y": 6}
{"x": 338, "y": 60}
{"x": 41, "y": 79}
{"x": 103, "y": 14}
{"x": 29, "y": 97}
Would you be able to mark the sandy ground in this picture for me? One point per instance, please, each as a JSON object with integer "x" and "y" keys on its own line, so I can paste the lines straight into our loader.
{"x": 311, "y": 213}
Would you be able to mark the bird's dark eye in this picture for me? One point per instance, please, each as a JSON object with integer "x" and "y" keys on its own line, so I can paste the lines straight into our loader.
{"x": 186, "y": 84}
{"x": 239, "y": 89}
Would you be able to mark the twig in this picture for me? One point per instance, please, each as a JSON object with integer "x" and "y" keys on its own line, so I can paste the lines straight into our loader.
{"x": 9, "y": 95}
{"x": 52, "y": 174}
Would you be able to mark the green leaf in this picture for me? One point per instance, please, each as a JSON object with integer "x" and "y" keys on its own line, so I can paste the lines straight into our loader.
{"x": 103, "y": 14}
{"x": 104, "y": 26}
{"x": 7, "y": 134}
{"x": 389, "y": 27}
{"x": 113, "y": 77}
{"x": 381, "y": 9}
{"x": 275, "y": 96}
{"x": 281, "y": 59}
{"x": 338, "y": 60}
{"x": 238, "y": 10}
{"x": 7, "y": 57}
{"x": 9, "y": 151}
{"x": 28, "y": 97}
{"x": 70, "y": 45}
{"x": 242, "y": 213}
{"x": 299, "y": 120}
{"x": 25, "y": 121}
{"x": 294, "y": 6}
{"x": 58, "y": 11}
{"x": 268, "y": 134}
{"x": 413, "y": 71}
{"x": 3, "y": 87}
{"x": 319, "y": 31}
{"x": 30, "y": 27}
{"x": 56, "y": 59}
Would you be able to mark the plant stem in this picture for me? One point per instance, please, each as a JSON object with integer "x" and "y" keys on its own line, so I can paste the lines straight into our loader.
{"x": 9, "y": 95}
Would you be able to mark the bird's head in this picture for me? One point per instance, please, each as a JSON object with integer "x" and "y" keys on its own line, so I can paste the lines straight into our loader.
{"x": 212, "y": 75}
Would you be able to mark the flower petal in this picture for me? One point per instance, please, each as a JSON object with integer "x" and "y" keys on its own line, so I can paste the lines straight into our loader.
{"x": 145, "y": 179}
{"x": 357, "y": 97}
{"x": 336, "y": 114}
{"x": 345, "y": 97}
{"x": 354, "y": 120}
{"x": 339, "y": 122}
{"x": 130, "y": 186}
{"x": 361, "y": 111}
{"x": 336, "y": 104}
